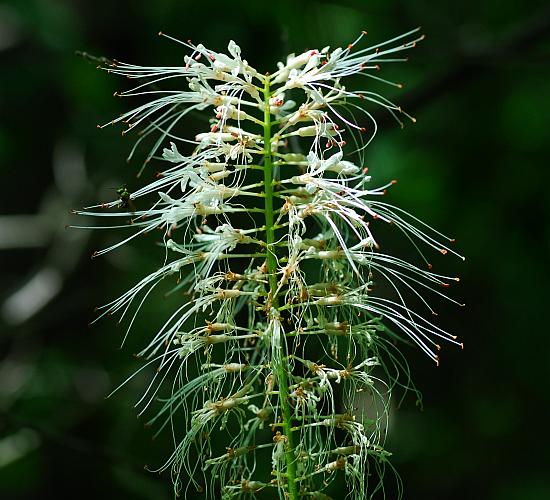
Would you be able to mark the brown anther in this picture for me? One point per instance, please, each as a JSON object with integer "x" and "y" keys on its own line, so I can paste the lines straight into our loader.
{"x": 231, "y": 276}
{"x": 279, "y": 437}
{"x": 345, "y": 374}
{"x": 315, "y": 368}
{"x": 299, "y": 392}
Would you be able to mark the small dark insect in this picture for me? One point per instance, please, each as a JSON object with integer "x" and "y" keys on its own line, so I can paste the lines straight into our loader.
{"x": 124, "y": 197}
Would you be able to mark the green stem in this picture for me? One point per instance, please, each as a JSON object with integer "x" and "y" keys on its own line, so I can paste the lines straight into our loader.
{"x": 281, "y": 373}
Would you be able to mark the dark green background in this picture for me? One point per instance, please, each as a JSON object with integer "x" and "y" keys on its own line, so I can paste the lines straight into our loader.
{"x": 475, "y": 165}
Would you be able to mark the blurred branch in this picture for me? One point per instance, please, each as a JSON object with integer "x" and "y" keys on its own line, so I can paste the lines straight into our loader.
{"x": 65, "y": 440}
{"x": 524, "y": 36}
{"x": 46, "y": 230}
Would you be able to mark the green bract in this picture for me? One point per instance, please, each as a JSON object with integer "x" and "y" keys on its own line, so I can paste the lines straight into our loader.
{"x": 280, "y": 344}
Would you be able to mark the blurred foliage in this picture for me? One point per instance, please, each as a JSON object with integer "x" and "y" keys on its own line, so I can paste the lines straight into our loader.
{"x": 475, "y": 165}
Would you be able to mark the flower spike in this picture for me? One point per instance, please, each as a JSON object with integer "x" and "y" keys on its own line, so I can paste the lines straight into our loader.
{"x": 281, "y": 340}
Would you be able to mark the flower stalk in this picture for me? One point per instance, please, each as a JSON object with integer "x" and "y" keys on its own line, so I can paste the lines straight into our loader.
{"x": 276, "y": 370}
{"x": 273, "y": 303}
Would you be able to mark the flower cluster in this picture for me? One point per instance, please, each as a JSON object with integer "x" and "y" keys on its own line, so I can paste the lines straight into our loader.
{"x": 267, "y": 224}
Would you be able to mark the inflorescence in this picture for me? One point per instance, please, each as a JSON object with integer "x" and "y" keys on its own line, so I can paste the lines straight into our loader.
{"x": 279, "y": 340}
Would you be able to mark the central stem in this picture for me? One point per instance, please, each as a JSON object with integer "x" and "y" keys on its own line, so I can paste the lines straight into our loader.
{"x": 281, "y": 372}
